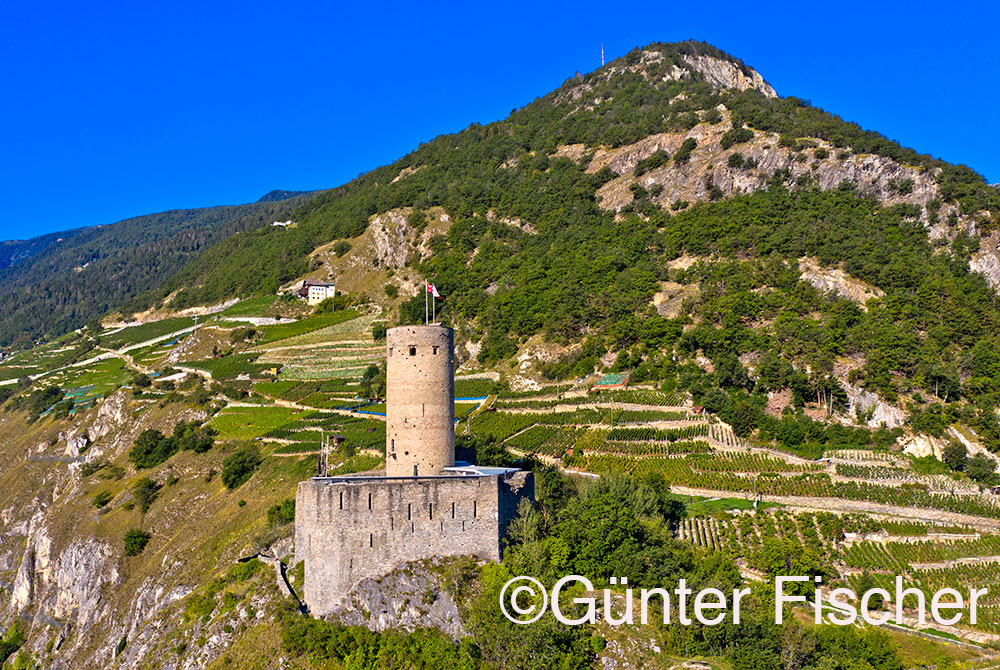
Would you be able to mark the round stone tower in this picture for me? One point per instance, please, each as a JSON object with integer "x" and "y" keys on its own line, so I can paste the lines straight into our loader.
{"x": 420, "y": 402}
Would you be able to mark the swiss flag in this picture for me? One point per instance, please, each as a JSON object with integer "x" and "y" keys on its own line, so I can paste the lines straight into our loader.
{"x": 432, "y": 289}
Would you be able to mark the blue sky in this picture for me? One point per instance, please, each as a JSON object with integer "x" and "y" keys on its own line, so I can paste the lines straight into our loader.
{"x": 113, "y": 110}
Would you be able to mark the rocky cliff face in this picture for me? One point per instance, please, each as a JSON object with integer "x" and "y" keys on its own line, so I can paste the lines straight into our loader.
{"x": 835, "y": 280}
{"x": 408, "y": 598}
{"x": 720, "y": 73}
{"x": 692, "y": 181}
{"x": 723, "y": 74}
{"x": 709, "y": 174}
{"x": 63, "y": 567}
{"x": 986, "y": 260}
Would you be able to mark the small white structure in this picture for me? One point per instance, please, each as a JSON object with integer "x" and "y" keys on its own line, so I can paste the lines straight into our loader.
{"x": 316, "y": 292}
{"x": 281, "y": 224}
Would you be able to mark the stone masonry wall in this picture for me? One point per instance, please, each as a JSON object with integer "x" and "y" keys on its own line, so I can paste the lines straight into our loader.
{"x": 347, "y": 529}
{"x": 420, "y": 401}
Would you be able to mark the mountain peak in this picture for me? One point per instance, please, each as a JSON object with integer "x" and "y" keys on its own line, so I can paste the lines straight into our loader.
{"x": 277, "y": 195}
{"x": 691, "y": 60}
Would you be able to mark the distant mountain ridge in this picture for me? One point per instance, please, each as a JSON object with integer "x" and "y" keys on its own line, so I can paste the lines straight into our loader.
{"x": 660, "y": 129}
{"x": 13, "y": 252}
{"x": 60, "y": 281}
{"x": 278, "y": 195}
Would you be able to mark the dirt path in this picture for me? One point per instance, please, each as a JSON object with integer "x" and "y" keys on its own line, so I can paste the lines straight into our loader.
{"x": 109, "y": 353}
{"x": 570, "y": 407}
{"x": 362, "y": 344}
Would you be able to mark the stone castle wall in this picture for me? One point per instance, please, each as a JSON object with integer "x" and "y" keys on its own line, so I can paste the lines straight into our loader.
{"x": 420, "y": 401}
{"x": 351, "y": 528}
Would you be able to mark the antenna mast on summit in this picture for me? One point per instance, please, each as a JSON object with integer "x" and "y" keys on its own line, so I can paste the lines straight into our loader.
{"x": 602, "y": 54}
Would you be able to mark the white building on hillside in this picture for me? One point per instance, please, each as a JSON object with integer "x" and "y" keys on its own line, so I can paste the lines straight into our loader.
{"x": 316, "y": 292}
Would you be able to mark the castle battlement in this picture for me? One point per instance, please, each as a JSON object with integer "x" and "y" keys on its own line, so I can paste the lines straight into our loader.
{"x": 351, "y": 528}
{"x": 348, "y": 529}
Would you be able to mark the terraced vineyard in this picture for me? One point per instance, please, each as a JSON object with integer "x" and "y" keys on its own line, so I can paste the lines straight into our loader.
{"x": 824, "y": 542}
{"x": 292, "y": 384}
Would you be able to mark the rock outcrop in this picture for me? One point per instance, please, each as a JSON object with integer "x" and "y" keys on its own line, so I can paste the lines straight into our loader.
{"x": 409, "y": 598}
{"x": 873, "y": 409}
{"x": 708, "y": 174}
{"x": 723, "y": 74}
{"x": 986, "y": 260}
{"x": 709, "y": 168}
{"x": 835, "y": 280}
{"x": 391, "y": 236}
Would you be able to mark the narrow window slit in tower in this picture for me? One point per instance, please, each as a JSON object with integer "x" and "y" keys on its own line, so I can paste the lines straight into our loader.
{"x": 341, "y": 500}
{"x": 369, "y": 501}
{"x": 473, "y": 509}
{"x": 413, "y": 351}
{"x": 409, "y": 511}
{"x": 435, "y": 351}
{"x": 453, "y": 510}
{"x": 430, "y": 511}
{"x": 371, "y": 540}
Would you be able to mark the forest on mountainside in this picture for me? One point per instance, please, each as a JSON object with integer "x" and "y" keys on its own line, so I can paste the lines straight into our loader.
{"x": 92, "y": 271}
{"x": 587, "y": 270}
{"x": 496, "y": 168}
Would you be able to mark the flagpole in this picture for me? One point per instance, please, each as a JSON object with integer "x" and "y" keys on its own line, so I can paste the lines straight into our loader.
{"x": 425, "y": 303}
{"x": 434, "y": 317}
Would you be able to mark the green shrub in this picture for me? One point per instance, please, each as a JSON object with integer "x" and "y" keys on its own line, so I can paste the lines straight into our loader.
{"x": 242, "y": 334}
{"x": 244, "y": 571}
{"x": 981, "y": 468}
{"x": 902, "y": 186}
{"x": 102, "y": 499}
{"x": 282, "y": 513}
{"x": 684, "y": 153}
{"x": 152, "y": 448}
{"x": 38, "y": 401}
{"x": 735, "y": 160}
{"x": 145, "y": 492}
{"x": 657, "y": 159}
{"x": 736, "y": 136}
{"x": 12, "y": 640}
{"x": 240, "y": 466}
{"x": 135, "y": 541}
